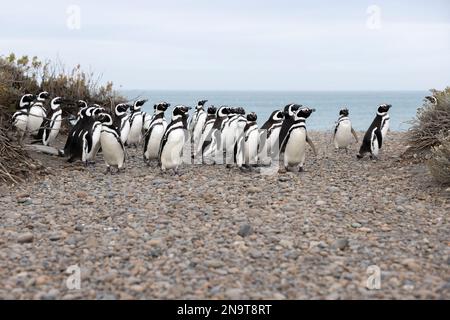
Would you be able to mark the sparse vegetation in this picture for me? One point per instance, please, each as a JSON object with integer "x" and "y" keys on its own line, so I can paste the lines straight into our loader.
{"x": 20, "y": 75}
{"x": 429, "y": 136}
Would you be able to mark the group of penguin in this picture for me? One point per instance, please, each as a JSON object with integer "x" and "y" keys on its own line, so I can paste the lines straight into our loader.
{"x": 224, "y": 135}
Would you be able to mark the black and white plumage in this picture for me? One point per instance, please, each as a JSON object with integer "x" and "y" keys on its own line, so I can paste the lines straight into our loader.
{"x": 175, "y": 136}
{"x": 269, "y": 135}
{"x": 20, "y": 117}
{"x": 294, "y": 144}
{"x": 343, "y": 133}
{"x": 196, "y": 123}
{"x": 212, "y": 144}
{"x": 71, "y": 148}
{"x": 289, "y": 113}
{"x": 376, "y": 134}
{"x": 91, "y": 143}
{"x": 52, "y": 123}
{"x": 155, "y": 132}
{"x": 121, "y": 120}
{"x": 112, "y": 147}
{"x": 209, "y": 122}
{"x": 136, "y": 123}
{"x": 246, "y": 146}
{"x": 231, "y": 131}
{"x": 37, "y": 113}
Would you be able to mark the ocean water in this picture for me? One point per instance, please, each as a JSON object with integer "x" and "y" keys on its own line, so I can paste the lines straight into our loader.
{"x": 362, "y": 105}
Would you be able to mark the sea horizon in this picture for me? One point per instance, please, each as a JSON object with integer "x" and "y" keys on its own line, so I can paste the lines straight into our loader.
{"x": 361, "y": 103}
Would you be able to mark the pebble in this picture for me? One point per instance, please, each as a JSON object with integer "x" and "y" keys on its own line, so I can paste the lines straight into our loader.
{"x": 245, "y": 230}
{"x": 341, "y": 243}
{"x": 356, "y": 225}
{"x": 25, "y": 238}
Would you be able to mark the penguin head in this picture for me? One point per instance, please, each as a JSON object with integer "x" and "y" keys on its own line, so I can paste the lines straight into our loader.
{"x": 212, "y": 110}
{"x": 56, "y": 103}
{"x": 26, "y": 100}
{"x": 97, "y": 111}
{"x": 384, "y": 108}
{"x": 121, "y": 109}
{"x": 343, "y": 112}
{"x": 223, "y": 111}
{"x": 81, "y": 104}
{"x": 162, "y": 106}
{"x": 431, "y": 99}
{"x": 180, "y": 110}
{"x": 251, "y": 117}
{"x": 44, "y": 95}
{"x": 304, "y": 112}
{"x": 277, "y": 115}
{"x": 105, "y": 119}
{"x": 138, "y": 104}
{"x": 291, "y": 109}
{"x": 239, "y": 110}
{"x": 90, "y": 111}
{"x": 201, "y": 104}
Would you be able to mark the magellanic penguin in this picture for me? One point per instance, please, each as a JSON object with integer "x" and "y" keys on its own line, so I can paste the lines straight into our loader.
{"x": 175, "y": 136}
{"x": 294, "y": 144}
{"x": 375, "y": 135}
{"x": 72, "y": 137}
{"x": 92, "y": 143}
{"x": 20, "y": 117}
{"x": 52, "y": 123}
{"x": 196, "y": 124}
{"x": 231, "y": 131}
{"x": 269, "y": 135}
{"x": 343, "y": 131}
{"x": 112, "y": 147}
{"x": 37, "y": 113}
{"x": 121, "y": 120}
{"x": 155, "y": 132}
{"x": 212, "y": 150}
{"x": 210, "y": 119}
{"x": 246, "y": 146}
{"x": 289, "y": 112}
{"x": 136, "y": 123}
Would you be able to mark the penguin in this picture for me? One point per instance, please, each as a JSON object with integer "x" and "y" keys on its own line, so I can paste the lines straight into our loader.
{"x": 289, "y": 112}
{"x": 232, "y": 131}
{"x": 136, "y": 123}
{"x": 246, "y": 147}
{"x": 121, "y": 120}
{"x": 175, "y": 136}
{"x": 212, "y": 145}
{"x": 91, "y": 141}
{"x": 343, "y": 131}
{"x": 20, "y": 117}
{"x": 294, "y": 144}
{"x": 52, "y": 123}
{"x": 112, "y": 147}
{"x": 269, "y": 135}
{"x": 37, "y": 113}
{"x": 155, "y": 132}
{"x": 431, "y": 99}
{"x": 196, "y": 124}
{"x": 375, "y": 135}
{"x": 210, "y": 119}
{"x": 72, "y": 137}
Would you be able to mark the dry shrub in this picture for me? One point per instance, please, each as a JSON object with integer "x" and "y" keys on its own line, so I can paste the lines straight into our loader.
{"x": 431, "y": 120}
{"x": 439, "y": 164}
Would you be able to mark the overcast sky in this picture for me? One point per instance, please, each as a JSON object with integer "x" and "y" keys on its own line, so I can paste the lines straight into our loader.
{"x": 244, "y": 45}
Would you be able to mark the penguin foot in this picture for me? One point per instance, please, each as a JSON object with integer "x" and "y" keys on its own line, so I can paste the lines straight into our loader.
{"x": 358, "y": 156}
{"x": 108, "y": 170}
{"x": 300, "y": 169}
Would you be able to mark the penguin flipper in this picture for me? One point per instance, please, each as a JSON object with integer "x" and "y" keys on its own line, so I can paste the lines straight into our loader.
{"x": 379, "y": 137}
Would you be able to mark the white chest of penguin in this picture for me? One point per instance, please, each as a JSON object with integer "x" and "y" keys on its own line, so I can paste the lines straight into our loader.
{"x": 295, "y": 146}
{"x": 344, "y": 134}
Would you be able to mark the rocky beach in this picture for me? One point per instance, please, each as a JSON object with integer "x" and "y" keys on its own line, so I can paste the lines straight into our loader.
{"x": 219, "y": 233}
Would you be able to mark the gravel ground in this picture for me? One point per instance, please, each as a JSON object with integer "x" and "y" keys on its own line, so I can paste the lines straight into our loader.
{"x": 219, "y": 233}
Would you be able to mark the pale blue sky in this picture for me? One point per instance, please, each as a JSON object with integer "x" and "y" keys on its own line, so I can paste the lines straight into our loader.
{"x": 251, "y": 45}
